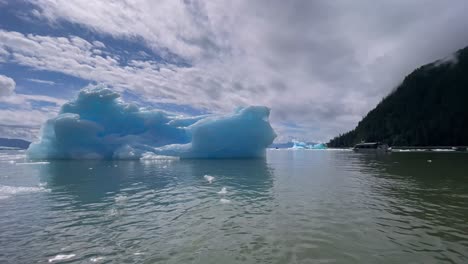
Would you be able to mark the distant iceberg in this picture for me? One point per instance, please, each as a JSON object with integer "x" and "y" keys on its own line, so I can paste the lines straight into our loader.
{"x": 99, "y": 125}
{"x": 302, "y": 145}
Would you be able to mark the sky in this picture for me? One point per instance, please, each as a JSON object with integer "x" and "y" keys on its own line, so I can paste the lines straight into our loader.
{"x": 319, "y": 65}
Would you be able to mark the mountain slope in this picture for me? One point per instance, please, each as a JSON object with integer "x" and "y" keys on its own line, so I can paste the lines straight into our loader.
{"x": 430, "y": 108}
{"x": 14, "y": 143}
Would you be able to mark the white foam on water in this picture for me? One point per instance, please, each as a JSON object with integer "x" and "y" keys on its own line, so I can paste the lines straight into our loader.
{"x": 60, "y": 257}
{"x": 138, "y": 253}
{"x": 224, "y": 201}
{"x": 209, "y": 178}
{"x": 8, "y": 191}
{"x": 96, "y": 259}
{"x": 223, "y": 191}
{"x": 429, "y": 161}
{"x": 33, "y": 163}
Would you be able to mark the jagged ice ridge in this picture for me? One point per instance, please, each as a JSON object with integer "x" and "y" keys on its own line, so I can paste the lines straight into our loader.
{"x": 98, "y": 124}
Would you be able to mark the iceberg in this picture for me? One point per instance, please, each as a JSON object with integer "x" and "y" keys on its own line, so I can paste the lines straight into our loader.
{"x": 98, "y": 124}
{"x": 302, "y": 145}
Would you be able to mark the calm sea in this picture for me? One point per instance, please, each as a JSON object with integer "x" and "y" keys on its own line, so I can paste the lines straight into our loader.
{"x": 300, "y": 206}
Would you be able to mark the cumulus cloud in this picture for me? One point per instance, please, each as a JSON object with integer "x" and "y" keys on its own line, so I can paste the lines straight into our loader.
{"x": 22, "y": 120}
{"x": 320, "y": 65}
{"x": 23, "y": 123}
{"x": 7, "y": 86}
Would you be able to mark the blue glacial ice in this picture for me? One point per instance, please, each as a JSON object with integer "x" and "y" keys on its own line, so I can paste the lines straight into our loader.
{"x": 303, "y": 145}
{"x": 98, "y": 124}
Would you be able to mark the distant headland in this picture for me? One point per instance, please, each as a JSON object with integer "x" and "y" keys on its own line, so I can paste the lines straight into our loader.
{"x": 429, "y": 108}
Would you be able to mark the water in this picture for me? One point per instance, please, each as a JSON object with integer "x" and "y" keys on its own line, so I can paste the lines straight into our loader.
{"x": 294, "y": 207}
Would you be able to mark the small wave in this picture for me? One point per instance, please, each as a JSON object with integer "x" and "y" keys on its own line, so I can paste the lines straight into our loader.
{"x": 224, "y": 201}
{"x": 60, "y": 257}
{"x": 7, "y": 191}
{"x": 120, "y": 198}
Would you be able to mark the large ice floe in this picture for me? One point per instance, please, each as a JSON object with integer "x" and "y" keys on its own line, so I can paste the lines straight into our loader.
{"x": 99, "y": 125}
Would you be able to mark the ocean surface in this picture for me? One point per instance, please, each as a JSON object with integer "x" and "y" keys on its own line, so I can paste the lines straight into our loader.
{"x": 301, "y": 206}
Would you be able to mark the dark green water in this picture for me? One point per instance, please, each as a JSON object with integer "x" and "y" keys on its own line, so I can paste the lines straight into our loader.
{"x": 294, "y": 207}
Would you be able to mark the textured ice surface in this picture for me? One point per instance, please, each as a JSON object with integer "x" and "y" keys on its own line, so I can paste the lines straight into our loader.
{"x": 303, "y": 145}
{"x": 99, "y": 125}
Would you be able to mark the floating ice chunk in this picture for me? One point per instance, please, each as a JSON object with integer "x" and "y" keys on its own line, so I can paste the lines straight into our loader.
{"x": 318, "y": 146}
{"x": 209, "y": 178}
{"x": 96, "y": 259}
{"x": 61, "y": 257}
{"x": 429, "y": 161}
{"x": 99, "y": 125}
{"x": 224, "y": 201}
{"x": 302, "y": 145}
{"x": 223, "y": 191}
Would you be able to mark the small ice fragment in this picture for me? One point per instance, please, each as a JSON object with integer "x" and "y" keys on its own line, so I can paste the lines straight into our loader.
{"x": 90, "y": 168}
{"x": 96, "y": 259}
{"x": 138, "y": 253}
{"x": 429, "y": 161}
{"x": 224, "y": 201}
{"x": 61, "y": 257}
{"x": 223, "y": 191}
{"x": 209, "y": 178}
{"x": 115, "y": 166}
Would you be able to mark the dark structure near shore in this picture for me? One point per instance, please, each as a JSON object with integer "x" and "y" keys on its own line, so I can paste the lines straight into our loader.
{"x": 430, "y": 108}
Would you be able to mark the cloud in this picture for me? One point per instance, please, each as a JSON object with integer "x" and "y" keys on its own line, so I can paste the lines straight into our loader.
{"x": 23, "y": 123}
{"x": 42, "y": 81}
{"x": 23, "y": 132}
{"x": 7, "y": 86}
{"x": 22, "y": 120}
{"x": 320, "y": 65}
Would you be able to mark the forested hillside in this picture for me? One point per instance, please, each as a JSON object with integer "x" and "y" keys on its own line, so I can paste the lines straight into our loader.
{"x": 429, "y": 108}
